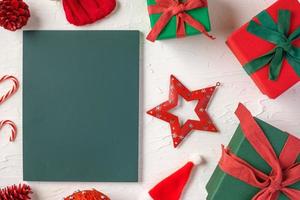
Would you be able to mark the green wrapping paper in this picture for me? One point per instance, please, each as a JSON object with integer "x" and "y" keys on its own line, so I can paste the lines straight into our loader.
{"x": 200, "y": 14}
{"x": 222, "y": 186}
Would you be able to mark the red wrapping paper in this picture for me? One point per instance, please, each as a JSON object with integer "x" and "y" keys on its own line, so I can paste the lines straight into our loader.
{"x": 247, "y": 47}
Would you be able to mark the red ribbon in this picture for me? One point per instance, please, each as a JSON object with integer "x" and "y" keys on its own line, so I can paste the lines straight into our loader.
{"x": 171, "y": 8}
{"x": 285, "y": 169}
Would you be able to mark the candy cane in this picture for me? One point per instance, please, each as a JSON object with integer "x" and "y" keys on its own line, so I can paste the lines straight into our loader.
{"x": 13, "y": 90}
{"x": 13, "y": 128}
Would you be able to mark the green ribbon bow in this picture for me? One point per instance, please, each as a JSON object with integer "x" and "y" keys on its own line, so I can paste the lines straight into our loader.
{"x": 278, "y": 35}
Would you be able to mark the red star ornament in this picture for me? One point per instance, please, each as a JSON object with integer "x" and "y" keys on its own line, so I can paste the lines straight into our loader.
{"x": 203, "y": 97}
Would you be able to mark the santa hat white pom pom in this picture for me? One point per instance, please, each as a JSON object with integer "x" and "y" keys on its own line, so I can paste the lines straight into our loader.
{"x": 196, "y": 159}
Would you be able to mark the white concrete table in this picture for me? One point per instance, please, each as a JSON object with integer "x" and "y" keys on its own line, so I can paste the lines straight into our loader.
{"x": 196, "y": 61}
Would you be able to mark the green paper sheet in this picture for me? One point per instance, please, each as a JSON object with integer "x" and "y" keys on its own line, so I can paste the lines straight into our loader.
{"x": 80, "y": 106}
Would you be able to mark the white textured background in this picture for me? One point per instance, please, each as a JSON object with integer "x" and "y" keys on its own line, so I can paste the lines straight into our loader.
{"x": 196, "y": 61}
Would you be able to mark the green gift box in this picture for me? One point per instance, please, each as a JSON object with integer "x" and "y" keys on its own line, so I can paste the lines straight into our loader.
{"x": 170, "y": 30}
{"x": 223, "y": 186}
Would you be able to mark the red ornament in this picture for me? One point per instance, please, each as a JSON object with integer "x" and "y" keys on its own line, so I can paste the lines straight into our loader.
{"x": 14, "y": 14}
{"x": 87, "y": 195}
{"x": 82, "y": 12}
{"x": 14, "y": 192}
{"x": 202, "y": 96}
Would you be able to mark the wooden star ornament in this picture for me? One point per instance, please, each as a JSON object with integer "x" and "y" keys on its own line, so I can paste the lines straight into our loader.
{"x": 203, "y": 97}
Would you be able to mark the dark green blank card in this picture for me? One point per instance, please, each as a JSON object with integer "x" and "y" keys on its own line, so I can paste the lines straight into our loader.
{"x": 81, "y": 106}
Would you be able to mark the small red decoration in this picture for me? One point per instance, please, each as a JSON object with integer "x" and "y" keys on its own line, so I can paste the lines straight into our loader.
{"x": 170, "y": 8}
{"x": 14, "y": 192}
{"x": 171, "y": 188}
{"x": 13, "y": 128}
{"x": 12, "y": 91}
{"x": 87, "y": 195}
{"x": 82, "y": 12}
{"x": 180, "y": 132}
{"x": 14, "y": 14}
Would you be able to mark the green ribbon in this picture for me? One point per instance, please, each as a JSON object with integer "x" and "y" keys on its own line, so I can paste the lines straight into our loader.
{"x": 276, "y": 34}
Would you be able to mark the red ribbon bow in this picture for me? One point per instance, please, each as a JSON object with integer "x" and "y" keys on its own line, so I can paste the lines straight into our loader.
{"x": 170, "y": 8}
{"x": 285, "y": 169}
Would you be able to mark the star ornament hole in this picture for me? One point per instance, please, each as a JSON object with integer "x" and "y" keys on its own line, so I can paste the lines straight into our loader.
{"x": 185, "y": 111}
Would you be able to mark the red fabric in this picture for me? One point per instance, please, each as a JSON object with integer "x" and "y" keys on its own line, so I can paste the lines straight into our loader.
{"x": 82, "y": 12}
{"x": 247, "y": 47}
{"x": 171, "y": 8}
{"x": 286, "y": 171}
{"x": 179, "y": 132}
{"x": 171, "y": 188}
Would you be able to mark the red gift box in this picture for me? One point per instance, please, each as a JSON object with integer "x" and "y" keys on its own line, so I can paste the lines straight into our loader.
{"x": 247, "y": 47}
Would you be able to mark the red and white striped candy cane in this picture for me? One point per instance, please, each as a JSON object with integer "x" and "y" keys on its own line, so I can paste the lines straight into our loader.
{"x": 11, "y": 91}
{"x": 13, "y": 128}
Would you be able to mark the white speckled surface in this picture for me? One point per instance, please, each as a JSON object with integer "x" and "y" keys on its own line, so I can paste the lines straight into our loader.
{"x": 196, "y": 61}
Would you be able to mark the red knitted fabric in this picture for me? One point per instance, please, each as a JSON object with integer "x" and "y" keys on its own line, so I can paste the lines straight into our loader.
{"x": 172, "y": 187}
{"x": 82, "y": 12}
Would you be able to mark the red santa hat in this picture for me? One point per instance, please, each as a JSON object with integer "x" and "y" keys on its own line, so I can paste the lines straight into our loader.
{"x": 172, "y": 187}
{"x": 82, "y": 12}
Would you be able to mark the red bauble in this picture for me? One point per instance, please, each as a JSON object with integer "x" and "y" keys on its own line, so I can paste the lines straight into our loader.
{"x": 14, "y": 192}
{"x": 14, "y": 14}
{"x": 87, "y": 195}
{"x": 82, "y": 12}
